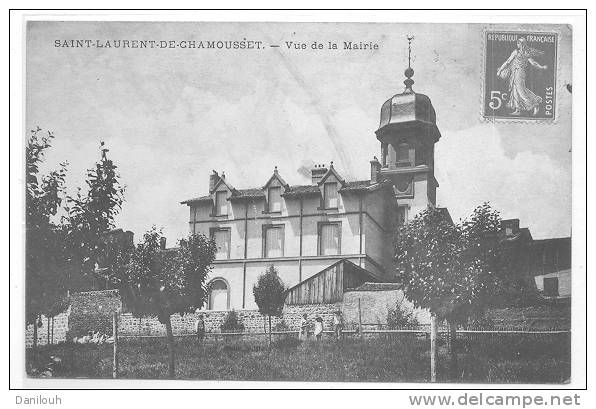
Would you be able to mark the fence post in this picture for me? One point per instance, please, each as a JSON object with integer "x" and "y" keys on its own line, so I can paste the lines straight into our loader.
{"x": 360, "y": 320}
{"x": 115, "y": 335}
{"x": 433, "y": 348}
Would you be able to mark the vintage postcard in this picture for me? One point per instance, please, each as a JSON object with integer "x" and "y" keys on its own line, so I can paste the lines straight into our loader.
{"x": 298, "y": 202}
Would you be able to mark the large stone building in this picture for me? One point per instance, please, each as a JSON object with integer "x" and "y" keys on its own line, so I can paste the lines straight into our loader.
{"x": 303, "y": 230}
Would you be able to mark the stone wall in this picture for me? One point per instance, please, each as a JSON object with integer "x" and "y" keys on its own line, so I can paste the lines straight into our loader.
{"x": 92, "y": 311}
{"x": 58, "y": 329}
{"x": 252, "y": 320}
{"x": 376, "y": 299}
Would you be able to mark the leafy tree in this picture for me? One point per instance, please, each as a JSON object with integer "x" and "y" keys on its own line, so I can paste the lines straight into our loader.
{"x": 155, "y": 282}
{"x": 451, "y": 269}
{"x": 91, "y": 216}
{"x": 45, "y": 283}
{"x": 269, "y": 292}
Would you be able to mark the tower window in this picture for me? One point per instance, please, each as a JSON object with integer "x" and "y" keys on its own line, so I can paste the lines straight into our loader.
{"x": 274, "y": 199}
{"x": 329, "y": 239}
{"x": 221, "y": 203}
{"x": 330, "y": 195}
{"x": 403, "y": 155}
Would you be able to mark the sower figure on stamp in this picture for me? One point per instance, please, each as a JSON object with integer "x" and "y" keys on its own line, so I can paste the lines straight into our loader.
{"x": 515, "y": 71}
{"x": 200, "y": 328}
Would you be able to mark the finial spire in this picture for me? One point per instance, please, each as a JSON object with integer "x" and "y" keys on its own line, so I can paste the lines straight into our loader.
{"x": 409, "y": 71}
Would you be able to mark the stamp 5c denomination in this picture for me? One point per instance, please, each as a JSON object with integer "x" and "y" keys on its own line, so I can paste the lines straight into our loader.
{"x": 520, "y": 75}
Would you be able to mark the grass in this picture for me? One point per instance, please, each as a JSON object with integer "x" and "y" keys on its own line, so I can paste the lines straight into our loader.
{"x": 540, "y": 359}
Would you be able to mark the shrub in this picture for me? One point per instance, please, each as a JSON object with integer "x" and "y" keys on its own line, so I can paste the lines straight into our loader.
{"x": 281, "y": 326}
{"x": 232, "y": 323}
{"x": 400, "y": 317}
{"x": 481, "y": 322}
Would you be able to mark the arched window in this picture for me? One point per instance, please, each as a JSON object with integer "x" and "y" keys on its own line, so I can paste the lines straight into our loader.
{"x": 219, "y": 295}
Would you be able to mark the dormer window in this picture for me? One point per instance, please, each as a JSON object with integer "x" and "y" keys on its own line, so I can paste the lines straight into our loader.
{"x": 274, "y": 199}
{"x": 330, "y": 195}
{"x": 221, "y": 203}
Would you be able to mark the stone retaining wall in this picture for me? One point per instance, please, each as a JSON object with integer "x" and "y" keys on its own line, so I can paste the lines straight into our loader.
{"x": 58, "y": 329}
{"x": 252, "y": 320}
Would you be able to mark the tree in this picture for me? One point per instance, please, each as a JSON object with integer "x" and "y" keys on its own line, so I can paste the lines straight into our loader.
{"x": 45, "y": 284}
{"x": 91, "y": 216}
{"x": 156, "y": 282}
{"x": 270, "y": 295}
{"x": 451, "y": 269}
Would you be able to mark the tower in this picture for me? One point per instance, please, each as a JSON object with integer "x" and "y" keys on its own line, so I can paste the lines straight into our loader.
{"x": 408, "y": 133}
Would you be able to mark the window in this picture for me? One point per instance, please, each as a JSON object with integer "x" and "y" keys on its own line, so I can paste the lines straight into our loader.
{"x": 222, "y": 243}
{"x": 329, "y": 239}
{"x": 274, "y": 199}
{"x": 551, "y": 286}
{"x": 330, "y": 195}
{"x": 219, "y": 295}
{"x": 221, "y": 203}
{"x": 403, "y": 155}
{"x": 273, "y": 241}
{"x": 402, "y": 215}
{"x": 508, "y": 231}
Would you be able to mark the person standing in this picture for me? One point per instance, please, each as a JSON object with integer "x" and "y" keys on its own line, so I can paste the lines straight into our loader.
{"x": 338, "y": 324}
{"x": 303, "y": 334}
{"x": 318, "y": 328}
{"x": 200, "y": 328}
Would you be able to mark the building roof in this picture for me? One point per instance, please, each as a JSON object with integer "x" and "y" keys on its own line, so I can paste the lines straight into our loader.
{"x": 291, "y": 191}
{"x": 378, "y": 287}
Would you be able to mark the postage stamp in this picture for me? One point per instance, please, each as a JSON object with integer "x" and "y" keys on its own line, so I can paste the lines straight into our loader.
{"x": 520, "y": 75}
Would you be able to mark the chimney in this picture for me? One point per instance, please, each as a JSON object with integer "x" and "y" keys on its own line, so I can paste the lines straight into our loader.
{"x": 129, "y": 238}
{"x": 510, "y": 226}
{"x": 375, "y": 168}
{"x": 162, "y": 243}
{"x": 317, "y": 173}
{"x": 213, "y": 179}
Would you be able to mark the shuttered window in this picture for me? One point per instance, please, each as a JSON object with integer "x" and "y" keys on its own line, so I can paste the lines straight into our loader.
{"x": 274, "y": 199}
{"x": 221, "y": 203}
{"x": 330, "y": 193}
{"x": 329, "y": 239}
{"x": 274, "y": 241}
{"x": 222, "y": 242}
{"x": 551, "y": 286}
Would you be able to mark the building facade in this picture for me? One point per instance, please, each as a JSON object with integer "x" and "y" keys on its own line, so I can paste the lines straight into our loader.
{"x": 302, "y": 230}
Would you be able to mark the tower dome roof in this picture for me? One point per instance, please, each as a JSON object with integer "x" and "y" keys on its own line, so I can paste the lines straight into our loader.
{"x": 407, "y": 107}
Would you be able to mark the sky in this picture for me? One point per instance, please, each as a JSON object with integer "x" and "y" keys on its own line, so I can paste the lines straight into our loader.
{"x": 169, "y": 116}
